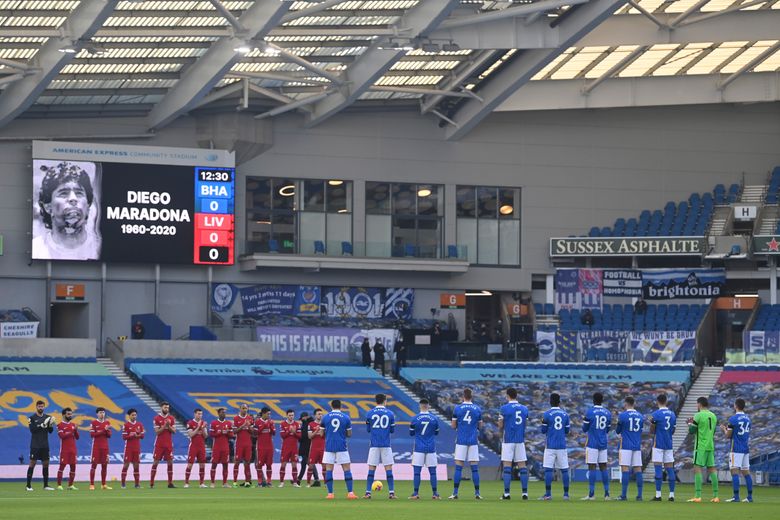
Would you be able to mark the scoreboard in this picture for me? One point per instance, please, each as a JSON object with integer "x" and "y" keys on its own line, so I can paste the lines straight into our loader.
{"x": 214, "y": 215}
{"x": 119, "y": 203}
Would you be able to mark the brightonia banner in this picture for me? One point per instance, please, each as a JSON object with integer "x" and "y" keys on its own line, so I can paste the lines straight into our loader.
{"x": 628, "y": 246}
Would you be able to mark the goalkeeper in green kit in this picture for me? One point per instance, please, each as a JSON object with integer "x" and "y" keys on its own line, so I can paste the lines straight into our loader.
{"x": 703, "y": 426}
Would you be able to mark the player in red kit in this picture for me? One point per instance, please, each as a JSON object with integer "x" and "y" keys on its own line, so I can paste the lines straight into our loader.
{"x": 290, "y": 432}
{"x": 100, "y": 431}
{"x": 221, "y": 431}
{"x": 266, "y": 429}
{"x": 242, "y": 427}
{"x": 197, "y": 431}
{"x": 132, "y": 433}
{"x": 68, "y": 434}
{"x": 164, "y": 428}
{"x": 317, "y": 449}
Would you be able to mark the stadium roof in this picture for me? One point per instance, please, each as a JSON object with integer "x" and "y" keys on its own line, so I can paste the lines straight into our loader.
{"x": 456, "y": 59}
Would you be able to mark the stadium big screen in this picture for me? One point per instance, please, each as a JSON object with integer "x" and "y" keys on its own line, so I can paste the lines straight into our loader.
{"x": 120, "y": 203}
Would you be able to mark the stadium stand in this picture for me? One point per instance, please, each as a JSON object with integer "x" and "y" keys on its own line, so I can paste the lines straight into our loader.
{"x": 773, "y": 190}
{"x": 300, "y": 387}
{"x": 534, "y": 382}
{"x": 759, "y": 386}
{"x": 685, "y": 218}
{"x": 767, "y": 318}
{"x": 80, "y": 386}
{"x": 623, "y": 317}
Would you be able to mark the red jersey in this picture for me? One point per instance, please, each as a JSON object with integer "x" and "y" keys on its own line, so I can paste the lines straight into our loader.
{"x": 100, "y": 433}
{"x": 164, "y": 438}
{"x": 132, "y": 433}
{"x": 290, "y": 433}
{"x": 265, "y": 432}
{"x": 243, "y": 428}
{"x": 221, "y": 432}
{"x": 317, "y": 441}
{"x": 68, "y": 434}
{"x": 197, "y": 441}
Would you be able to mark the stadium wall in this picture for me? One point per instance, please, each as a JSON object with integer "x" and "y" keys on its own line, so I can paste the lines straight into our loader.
{"x": 577, "y": 169}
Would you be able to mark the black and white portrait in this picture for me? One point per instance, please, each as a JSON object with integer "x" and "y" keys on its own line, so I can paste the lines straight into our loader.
{"x": 66, "y": 210}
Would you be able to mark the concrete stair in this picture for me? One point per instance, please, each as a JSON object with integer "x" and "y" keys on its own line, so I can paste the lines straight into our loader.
{"x": 702, "y": 387}
{"x": 131, "y": 385}
{"x": 753, "y": 194}
{"x": 769, "y": 218}
{"x": 719, "y": 220}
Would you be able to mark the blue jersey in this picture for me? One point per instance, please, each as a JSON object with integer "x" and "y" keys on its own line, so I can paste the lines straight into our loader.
{"x": 515, "y": 416}
{"x": 629, "y": 426}
{"x": 665, "y": 422}
{"x": 597, "y": 422}
{"x": 424, "y": 427}
{"x": 467, "y": 417}
{"x": 739, "y": 424}
{"x": 336, "y": 424}
{"x": 556, "y": 425}
{"x": 380, "y": 423}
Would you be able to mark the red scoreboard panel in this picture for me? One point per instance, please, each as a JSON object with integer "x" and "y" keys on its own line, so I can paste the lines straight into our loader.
{"x": 214, "y": 216}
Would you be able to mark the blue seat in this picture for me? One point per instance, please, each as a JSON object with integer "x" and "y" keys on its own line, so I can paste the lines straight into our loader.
{"x": 452, "y": 251}
{"x": 273, "y": 246}
{"x": 346, "y": 248}
{"x": 549, "y": 308}
{"x": 319, "y": 247}
{"x": 594, "y": 232}
{"x": 410, "y": 250}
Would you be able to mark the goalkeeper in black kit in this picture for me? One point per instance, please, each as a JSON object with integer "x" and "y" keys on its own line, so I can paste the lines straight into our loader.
{"x": 41, "y": 425}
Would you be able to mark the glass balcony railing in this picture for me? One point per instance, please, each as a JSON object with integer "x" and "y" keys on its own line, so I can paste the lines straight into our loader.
{"x": 354, "y": 249}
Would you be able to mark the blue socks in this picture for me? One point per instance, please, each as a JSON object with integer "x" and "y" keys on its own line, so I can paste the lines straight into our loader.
{"x": 659, "y": 477}
{"x": 348, "y": 480}
{"x": 749, "y": 484}
{"x": 434, "y": 480}
{"x": 640, "y": 483}
{"x": 329, "y": 480}
{"x": 605, "y": 481}
{"x": 390, "y": 482}
{"x": 456, "y": 479}
{"x": 370, "y": 480}
{"x": 475, "y": 477}
{"x": 592, "y": 481}
{"x": 548, "y": 477}
{"x": 507, "y": 479}
{"x": 417, "y": 478}
{"x": 524, "y": 479}
{"x": 565, "y": 475}
{"x": 625, "y": 477}
{"x": 671, "y": 476}
{"x": 735, "y": 485}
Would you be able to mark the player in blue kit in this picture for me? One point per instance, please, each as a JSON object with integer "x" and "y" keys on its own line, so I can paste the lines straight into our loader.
{"x": 597, "y": 422}
{"x": 338, "y": 427}
{"x": 662, "y": 424}
{"x": 629, "y": 427}
{"x": 556, "y": 425}
{"x": 738, "y": 430}
{"x": 512, "y": 419}
{"x": 466, "y": 420}
{"x": 380, "y": 423}
{"x": 424, "y": 428}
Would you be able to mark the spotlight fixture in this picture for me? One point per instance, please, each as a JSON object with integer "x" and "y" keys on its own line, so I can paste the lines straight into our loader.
{"x": 243, "y": 48}
{"x": 430, "y": 47}
{"x": 506, "y": 209}
{"x": 424, "y": 192}
{"x": 335, "y": 182}
{"x": 450, "y": 47}
{"x": 287, "y": 191}
{"x": 69, "y": 48}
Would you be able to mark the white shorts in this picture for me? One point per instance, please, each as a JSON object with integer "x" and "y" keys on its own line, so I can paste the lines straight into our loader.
{"x": 467, "y": 453}
{"x": 663, "y": 456}
{"x": 380, "y": 456}
{"x": 556, "y": 459}
{"x": 424, "y": 459}
{"x": 513, "y": 452}
{"x": 335, "y": 457}
{"x": 595, "y": 456}
{"x": 631, "y": 458}
{"x": 739, "y": 460}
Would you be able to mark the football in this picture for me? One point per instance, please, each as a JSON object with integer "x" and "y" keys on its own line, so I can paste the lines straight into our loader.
{"x": 377, "y": 486}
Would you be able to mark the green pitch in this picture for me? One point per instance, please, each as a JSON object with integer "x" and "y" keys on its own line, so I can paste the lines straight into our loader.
{"x": 288, "y": 502}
